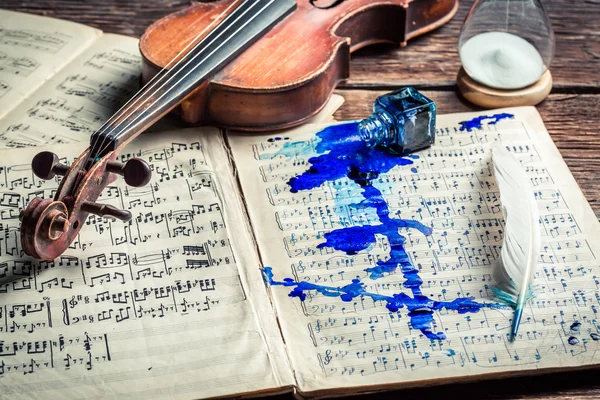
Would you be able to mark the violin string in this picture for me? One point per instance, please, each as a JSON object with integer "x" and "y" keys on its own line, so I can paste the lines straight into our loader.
{"x": 124, "y": 130}
{"x": 153, "y": 82}
{"x": 110, "y": 138}
{"x": 150, "y": 85}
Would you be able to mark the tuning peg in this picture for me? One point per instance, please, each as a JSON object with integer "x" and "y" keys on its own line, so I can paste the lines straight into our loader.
{"x": 45, "y": 165}
{"x": 136, "y": 172}
{"x": 105, "y": 210}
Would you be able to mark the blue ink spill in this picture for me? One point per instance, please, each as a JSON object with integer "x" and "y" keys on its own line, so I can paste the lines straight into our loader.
{"x": 342, "y": 154}
{"x": 277, "y": 139}
{"x": 576, "y": 326}
{"x": 451, "y": 353}
{"x": 414, "y": 170}
{"x": 475, "y": 123}
{"x": 595, "y": 337}
{"x": 420, "y": 308}
{"x": 413, "y": 156}
{"x": 573, "y": 341}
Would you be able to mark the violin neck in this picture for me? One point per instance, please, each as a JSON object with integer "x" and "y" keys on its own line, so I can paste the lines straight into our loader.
{"x": 240, "y": 29}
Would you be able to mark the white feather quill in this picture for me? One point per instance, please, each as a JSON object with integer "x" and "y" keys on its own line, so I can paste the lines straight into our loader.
{"x": 514, "y": 269}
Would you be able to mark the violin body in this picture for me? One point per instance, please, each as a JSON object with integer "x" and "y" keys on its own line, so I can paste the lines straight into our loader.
{"x": 288, "y": 75}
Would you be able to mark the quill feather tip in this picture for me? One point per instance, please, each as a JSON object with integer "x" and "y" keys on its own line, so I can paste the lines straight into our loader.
{"x": 516, "y": 322}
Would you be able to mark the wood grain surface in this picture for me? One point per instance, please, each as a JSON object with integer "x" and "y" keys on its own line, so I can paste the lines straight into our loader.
{"x": 430, "y": 63}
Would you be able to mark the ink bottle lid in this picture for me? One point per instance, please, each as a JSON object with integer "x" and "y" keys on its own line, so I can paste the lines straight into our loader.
{"x": 402, "y": 122}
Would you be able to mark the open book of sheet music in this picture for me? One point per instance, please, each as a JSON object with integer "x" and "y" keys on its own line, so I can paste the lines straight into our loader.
{"x": 223, "y": 283}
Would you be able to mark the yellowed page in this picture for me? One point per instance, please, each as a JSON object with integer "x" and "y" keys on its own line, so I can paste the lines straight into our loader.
{"x": 170, "y": 305}
{"x": 343, "y": 338}
{"x": 32, "y": 50}
{"x": 79, "y": 98}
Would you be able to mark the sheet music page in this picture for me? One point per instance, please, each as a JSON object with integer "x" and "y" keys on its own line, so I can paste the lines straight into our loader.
{"x": 170, "y": 305}
{"x": 32, "y": 50}
{"x": 384, "y": 277}
{"x": 78, "y": 99}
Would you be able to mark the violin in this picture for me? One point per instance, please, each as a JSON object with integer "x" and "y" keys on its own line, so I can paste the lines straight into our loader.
{"x": 255, "y": 65}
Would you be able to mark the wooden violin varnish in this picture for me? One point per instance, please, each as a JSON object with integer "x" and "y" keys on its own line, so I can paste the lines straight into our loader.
{"x": 506, "y": 48}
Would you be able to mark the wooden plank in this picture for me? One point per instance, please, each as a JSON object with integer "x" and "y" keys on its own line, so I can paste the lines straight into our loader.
{"x": 572, "y": 121}
{"x": 430, "y": 61}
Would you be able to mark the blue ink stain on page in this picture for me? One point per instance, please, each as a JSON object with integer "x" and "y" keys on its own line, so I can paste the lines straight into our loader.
{"x": 595, "y": 337}
{"x": 475, "y": 123}
{"x": 573, "y": 341}
{"x": 420, "y": 308}
{"x": 277, "y": 139}
{"x": 576, "y": 326}
{"x": 342, "y": 154}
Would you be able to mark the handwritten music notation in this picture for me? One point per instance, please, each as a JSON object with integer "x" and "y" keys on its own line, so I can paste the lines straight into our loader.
{"x": 109, "y": 317}
{"x": 33, "y": 50}
{"x": 65, "y": 353}
{"x": 75, "y": 102}
{"x": 4, "y": 88}
{"x": 107, "y": 94}
{"x": 451, "y": 189}
{"x": 168, "y": 278}
{"x": 23, "y": 135}
{"x": 59, "y": 112}
{"x": 22, "y": 66}
{"x": 49, "y": 42}
{"x": 117, "y": 62}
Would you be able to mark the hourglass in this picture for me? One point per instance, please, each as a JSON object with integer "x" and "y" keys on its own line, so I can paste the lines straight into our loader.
{"x": 506, "y": 47}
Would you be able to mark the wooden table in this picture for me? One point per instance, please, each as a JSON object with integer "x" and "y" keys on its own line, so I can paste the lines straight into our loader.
{"x": 430, "y": 63}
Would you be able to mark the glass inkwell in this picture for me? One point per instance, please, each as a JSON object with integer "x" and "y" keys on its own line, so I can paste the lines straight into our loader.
{"x": 506, "y": 48}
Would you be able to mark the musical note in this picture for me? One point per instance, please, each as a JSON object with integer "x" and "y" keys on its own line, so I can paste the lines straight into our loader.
{"x": 4, "y": 88}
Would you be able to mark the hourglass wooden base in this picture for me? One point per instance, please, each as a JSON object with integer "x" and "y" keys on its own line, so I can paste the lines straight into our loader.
{"x": 488, "y": 97}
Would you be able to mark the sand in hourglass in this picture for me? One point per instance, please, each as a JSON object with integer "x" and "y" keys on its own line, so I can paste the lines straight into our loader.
{"x": 502, "y": 60}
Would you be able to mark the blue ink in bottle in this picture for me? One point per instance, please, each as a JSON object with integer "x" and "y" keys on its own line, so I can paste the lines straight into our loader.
{"x": 402, "y": 122}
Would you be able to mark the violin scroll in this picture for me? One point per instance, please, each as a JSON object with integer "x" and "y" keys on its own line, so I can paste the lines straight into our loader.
{"x": 49, "y": 226}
